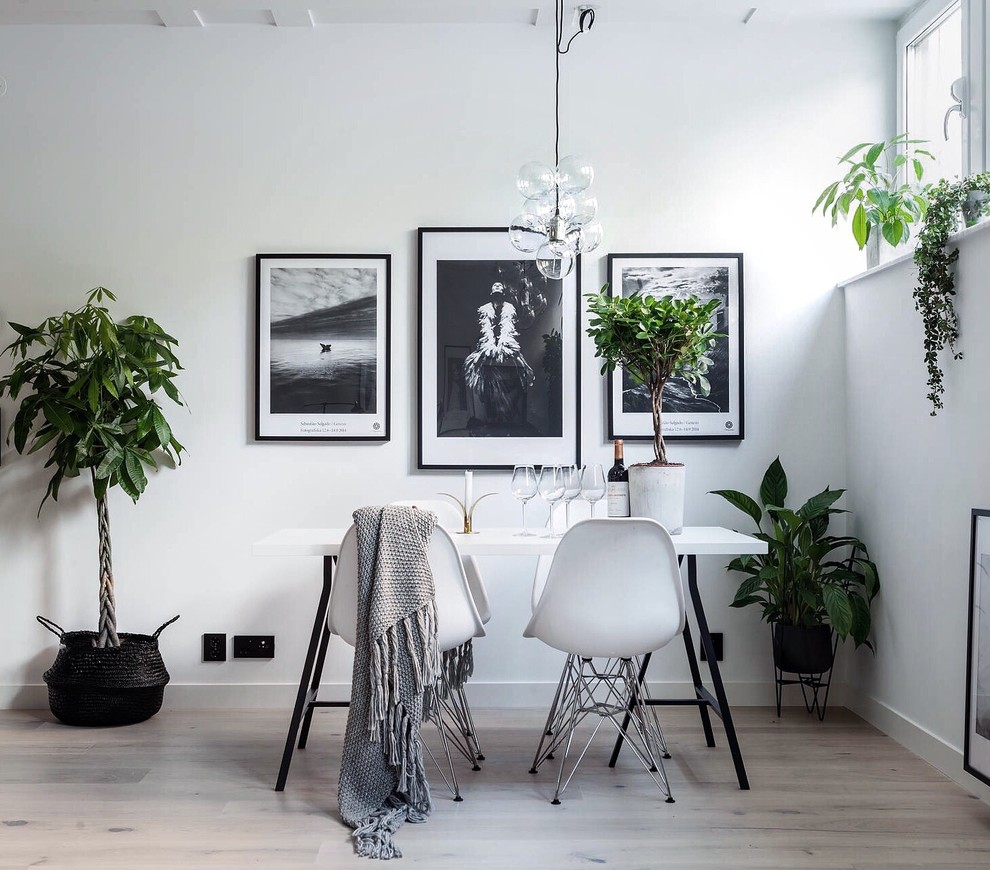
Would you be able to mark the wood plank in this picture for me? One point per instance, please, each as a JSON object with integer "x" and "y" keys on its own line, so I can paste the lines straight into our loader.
{"x": 837, "y": 795}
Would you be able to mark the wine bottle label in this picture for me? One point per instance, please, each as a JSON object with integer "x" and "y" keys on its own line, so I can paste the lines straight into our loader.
{"x": 617, "y": 498}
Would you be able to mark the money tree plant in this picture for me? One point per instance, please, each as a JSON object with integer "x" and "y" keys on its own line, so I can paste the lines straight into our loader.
{"x": 91, "y": 387}
{"x": 654, "y": 339}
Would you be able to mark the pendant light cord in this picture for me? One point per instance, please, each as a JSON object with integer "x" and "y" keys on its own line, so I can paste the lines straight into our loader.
{"x": 586, "y": 20}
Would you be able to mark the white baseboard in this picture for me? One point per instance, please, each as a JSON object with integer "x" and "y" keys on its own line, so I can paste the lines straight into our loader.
{"x": 929, "y": 747}
{"x": 264, "y": 696}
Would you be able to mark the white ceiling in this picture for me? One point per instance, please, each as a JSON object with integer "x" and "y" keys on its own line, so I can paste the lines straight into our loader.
{"x": 309, "y": 13}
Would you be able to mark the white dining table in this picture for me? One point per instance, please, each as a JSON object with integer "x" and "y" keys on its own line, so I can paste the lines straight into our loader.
{"x": 692, "y": 542}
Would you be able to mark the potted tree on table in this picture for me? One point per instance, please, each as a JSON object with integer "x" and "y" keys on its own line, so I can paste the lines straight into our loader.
{"x": 655, "y": 339}
{"x": 814, "y": 588}
{"x": 91, "y": 386}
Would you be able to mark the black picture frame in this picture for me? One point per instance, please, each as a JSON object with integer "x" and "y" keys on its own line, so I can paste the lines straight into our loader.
{"x": 686, "y": 417}
{"x": 322, "y": 347}
{"x": 479, "y": 413}
{"x": 976, "y": 746}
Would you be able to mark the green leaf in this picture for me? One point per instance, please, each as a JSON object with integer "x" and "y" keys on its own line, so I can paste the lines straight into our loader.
{"x": 111, "y": 462}
{"x": 134, "y": 472}
{"x": 820, "y": 503}
{"x": 162, "y": 429}
{"x": 747, "y": 589}
{"x": 773, "y": 489}
{"x": 860, "y": 226}
{"x": 57, "y": 416}
{"x": 741, "y": 501}
{"x": 840, "y": 612}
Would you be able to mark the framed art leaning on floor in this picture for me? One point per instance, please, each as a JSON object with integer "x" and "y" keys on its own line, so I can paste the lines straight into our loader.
{"x": 322, "y": 346}
{"x": 498, "y": 354}
{"x": 976, "y": 751}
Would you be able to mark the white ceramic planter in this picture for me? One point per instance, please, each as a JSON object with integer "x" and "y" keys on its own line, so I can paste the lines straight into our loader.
{"x": 657, "y": 492}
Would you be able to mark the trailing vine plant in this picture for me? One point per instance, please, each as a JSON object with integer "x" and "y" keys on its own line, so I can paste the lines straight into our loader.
{"x": 936, "y": 283}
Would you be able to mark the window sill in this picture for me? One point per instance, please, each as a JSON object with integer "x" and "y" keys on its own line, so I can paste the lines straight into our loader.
{"x": 909, "y": 257}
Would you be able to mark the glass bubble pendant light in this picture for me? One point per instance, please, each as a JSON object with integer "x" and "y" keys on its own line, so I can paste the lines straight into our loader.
{"x": 558, "y": 220}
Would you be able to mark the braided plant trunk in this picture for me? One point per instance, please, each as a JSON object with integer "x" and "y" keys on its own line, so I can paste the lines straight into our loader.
{"x": 657, "y": 383}
{"x": 107, "y": 635}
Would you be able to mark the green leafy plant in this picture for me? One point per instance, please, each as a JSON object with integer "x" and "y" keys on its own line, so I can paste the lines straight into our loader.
{"x": 936, "y": 283}
{"x": 872, "y": 190}
{"x": 654, "y": 339}
{"x": 91, "y": 403}
{"x": 808, "y": 577}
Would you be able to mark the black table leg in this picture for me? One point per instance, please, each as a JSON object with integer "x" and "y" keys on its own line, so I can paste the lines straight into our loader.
{"x": 314, "y": 686}
{"x": 319, "y": 627}
{"x": 692, "y": 657}
{"x": 721, "y": 705}
{"x": 704, "y": 699}
{"x": 625, "y": 719}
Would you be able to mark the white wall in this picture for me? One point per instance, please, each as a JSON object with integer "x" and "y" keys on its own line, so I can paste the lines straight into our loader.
{"x": 915, "y": 479}
{"x": 158, "y": 162}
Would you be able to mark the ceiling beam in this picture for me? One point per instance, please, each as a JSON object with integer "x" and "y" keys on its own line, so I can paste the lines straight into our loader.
{"x": 292, "y": 16}
{"x": 179, "y": 17}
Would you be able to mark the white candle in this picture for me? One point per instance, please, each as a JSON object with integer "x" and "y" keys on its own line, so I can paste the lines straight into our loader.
{"x": 468, "y": 490}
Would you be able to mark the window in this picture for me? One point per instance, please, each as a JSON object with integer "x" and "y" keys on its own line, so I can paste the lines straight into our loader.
{"x": 934, "y": 91}
{"x": 941, "y": 83}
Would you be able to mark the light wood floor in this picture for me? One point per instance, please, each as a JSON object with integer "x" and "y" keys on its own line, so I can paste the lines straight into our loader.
{"x": 194, "y": 790}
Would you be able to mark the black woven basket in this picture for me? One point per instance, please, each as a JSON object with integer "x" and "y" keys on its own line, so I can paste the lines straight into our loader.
{"x": 89, "y": 685}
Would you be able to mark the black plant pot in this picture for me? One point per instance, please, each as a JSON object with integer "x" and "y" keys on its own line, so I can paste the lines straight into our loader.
{"x": 800, "y": 649}
{"x": 89, "y": 685}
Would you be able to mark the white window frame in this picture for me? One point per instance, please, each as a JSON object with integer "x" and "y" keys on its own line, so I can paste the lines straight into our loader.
{"x": 975, "y": 148}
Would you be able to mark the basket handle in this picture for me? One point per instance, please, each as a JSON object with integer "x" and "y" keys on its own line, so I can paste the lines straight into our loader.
{"x": 161, "y": 628}
{"x": 53, "y": 627}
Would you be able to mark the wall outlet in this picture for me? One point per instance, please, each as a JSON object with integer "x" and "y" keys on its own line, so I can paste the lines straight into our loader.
{"x": 214, "y": 647}
{"x": 254, "y": 646}
{"x": 718, "y": 643}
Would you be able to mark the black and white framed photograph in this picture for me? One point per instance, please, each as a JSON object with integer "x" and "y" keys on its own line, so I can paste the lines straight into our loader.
{"x": 322, "y": 347}
{"x": 498, "y": 354}
{"x": 687, "y": 415}
{"x": 976, "y": 751}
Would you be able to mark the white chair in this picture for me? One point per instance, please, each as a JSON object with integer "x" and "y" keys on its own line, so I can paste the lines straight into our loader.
{"x": 613, "y": 592}
{"x": 457, "y": 622}
{"x": 450, "y": 518}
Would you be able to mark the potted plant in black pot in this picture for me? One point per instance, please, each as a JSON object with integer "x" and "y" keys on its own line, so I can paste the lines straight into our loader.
{"x": 91, "y": 385}
{"x": 814, "y": 588}
{"x": 655, "y": 339}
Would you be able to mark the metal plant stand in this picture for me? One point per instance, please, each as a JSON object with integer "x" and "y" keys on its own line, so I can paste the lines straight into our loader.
{"x": 812, "y": 686}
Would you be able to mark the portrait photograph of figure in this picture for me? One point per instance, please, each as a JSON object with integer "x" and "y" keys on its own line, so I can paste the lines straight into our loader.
{"x": 511, "y": 374}
{"x": 498, "y": 348}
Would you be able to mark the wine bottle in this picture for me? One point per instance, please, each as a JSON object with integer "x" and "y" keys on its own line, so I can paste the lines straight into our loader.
{"x": 617, "y": 489}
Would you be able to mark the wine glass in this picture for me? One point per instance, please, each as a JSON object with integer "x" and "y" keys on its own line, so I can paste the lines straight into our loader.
{"x": 593, "y": 485}
{"x": 572, "y": 489}
{"x": 551, "y": 489}
{"x": 524, "y": 487}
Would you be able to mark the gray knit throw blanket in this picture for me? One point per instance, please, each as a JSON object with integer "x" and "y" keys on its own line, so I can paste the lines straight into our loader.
{"x": 382, "y": 779}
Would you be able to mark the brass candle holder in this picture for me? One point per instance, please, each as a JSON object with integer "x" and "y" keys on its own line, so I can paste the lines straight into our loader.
{"x": 467, "y": 511}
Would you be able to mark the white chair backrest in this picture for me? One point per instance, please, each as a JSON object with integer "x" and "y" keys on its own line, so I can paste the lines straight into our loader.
{"x": 449, "y": 516}
{"x": 457, "y": 616}
{"x": 540, "y": 578}
{"x": 614, "y": 589}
